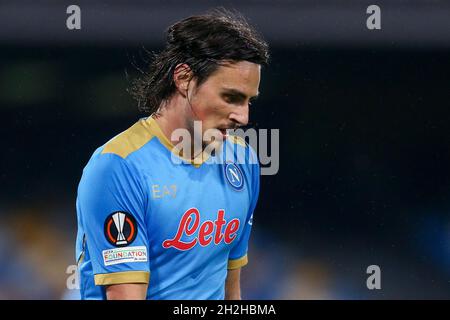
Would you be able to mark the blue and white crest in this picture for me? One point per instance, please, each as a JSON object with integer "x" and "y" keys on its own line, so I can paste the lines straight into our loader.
{"x": 234, "y": 176}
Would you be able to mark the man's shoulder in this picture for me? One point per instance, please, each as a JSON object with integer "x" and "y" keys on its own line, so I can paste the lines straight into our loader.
{"x": 128, "y": 142}
{"x": 122, "y": 154}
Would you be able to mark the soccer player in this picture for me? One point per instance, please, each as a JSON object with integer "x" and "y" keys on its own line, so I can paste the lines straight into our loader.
{"x": 152, "y": 227}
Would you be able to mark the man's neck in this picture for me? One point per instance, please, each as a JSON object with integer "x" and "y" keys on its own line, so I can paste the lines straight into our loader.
{"x": 172, "y": 117}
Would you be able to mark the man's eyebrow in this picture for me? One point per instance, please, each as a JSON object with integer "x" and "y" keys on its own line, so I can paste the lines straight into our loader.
{"x": 238, "y": 93}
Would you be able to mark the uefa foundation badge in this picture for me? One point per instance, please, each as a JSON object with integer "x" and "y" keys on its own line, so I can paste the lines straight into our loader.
{"x": 120, "y": 229}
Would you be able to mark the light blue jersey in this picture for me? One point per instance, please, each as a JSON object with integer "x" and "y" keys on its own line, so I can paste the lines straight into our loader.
{"x": 143, "y": 218}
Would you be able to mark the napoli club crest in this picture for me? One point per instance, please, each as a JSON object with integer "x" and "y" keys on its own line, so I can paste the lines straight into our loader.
{"x": 234, "y": 176}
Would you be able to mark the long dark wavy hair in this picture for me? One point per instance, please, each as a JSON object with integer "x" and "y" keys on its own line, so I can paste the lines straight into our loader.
{"x": 202, "y": 42}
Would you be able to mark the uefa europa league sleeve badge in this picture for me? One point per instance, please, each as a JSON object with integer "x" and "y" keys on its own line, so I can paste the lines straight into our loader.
{"x": 120, "y": 229}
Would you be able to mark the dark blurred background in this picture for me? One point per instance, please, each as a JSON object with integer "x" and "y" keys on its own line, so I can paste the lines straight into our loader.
{"x": 364, "y": 125}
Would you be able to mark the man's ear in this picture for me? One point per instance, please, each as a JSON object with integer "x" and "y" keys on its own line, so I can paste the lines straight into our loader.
{"x": 181, "y": 77}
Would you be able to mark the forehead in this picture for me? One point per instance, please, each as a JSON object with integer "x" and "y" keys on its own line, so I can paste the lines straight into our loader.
{"x": 243, "y": 76}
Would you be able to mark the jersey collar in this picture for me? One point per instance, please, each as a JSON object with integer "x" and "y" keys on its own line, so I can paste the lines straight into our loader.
{"x": 151, "y": 125}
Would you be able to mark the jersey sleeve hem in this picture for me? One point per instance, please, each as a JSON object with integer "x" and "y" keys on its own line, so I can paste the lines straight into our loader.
{"x": 105, "y": 279}
{"x": 237, "y": 263}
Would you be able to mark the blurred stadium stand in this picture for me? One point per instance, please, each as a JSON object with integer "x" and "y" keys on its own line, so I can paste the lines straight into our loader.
{"x": 328, "y": 22}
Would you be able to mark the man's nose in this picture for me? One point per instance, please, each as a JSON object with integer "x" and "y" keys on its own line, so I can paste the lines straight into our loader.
{"x": 240, "y": 115}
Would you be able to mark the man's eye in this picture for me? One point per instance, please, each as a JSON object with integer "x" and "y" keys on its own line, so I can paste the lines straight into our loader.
{"x": 231, "y": 100}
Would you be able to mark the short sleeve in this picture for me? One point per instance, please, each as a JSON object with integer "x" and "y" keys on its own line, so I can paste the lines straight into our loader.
{"x": 238, "y": 254}
{"x": 111, "y": 203}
